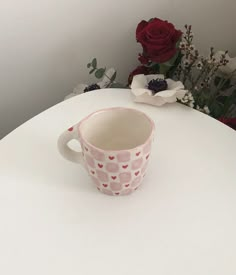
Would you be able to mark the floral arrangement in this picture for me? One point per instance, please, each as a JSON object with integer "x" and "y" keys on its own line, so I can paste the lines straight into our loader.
{"x": 172, "y": 69}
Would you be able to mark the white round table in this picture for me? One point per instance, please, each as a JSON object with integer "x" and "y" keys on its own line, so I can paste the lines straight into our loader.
{"x": 182, "y": 221}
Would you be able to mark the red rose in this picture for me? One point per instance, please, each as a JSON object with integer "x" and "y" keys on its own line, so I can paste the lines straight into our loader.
{"x": 138, "y": 70}
{"x": 231, "y": 122}
{"x": 158, "y": 39}
{"x": 144, "y": 60}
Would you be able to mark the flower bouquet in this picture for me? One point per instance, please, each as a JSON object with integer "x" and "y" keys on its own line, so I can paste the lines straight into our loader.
{"x": 172, "y": 69}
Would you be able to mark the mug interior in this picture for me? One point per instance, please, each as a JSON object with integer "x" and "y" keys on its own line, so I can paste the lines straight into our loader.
{"x": 116, "y": 129}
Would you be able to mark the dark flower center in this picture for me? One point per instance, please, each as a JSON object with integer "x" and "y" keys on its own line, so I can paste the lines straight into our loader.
{"x": 157, "y": 85}
{"x": 92, "y": 87}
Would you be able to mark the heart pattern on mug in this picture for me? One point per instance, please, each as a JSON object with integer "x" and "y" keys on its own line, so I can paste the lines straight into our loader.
{"x": 119, "y": 173}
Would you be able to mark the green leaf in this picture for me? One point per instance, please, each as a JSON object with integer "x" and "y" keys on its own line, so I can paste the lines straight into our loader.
{"x": 94, "y": 63}
{"x": 92, "y": 71}
{"x": 113, "y": 77}
{"x": 117, "y": 85}
{"x": 217, "y": 80}
{"x": 222, "y": 83}
{"x": 172, "y": 60}
{"x": 232, "y": 98}
{"x": 88, "y": 65}
{"x": 163, "y": 68}
{"x": 178, "y": 42}
{"x": 216, "y": 109}
{"x": 100, "y": 73}
{"x": 171, "y": 72}
{"x": 155, "y": 68}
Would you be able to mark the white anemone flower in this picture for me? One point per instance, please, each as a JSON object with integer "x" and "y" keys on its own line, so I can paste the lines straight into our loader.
{"x": 139, "y": 88}
{"x": 104, "y": 83}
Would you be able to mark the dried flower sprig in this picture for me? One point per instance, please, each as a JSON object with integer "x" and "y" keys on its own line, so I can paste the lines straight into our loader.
{"x": 198, "y": 72}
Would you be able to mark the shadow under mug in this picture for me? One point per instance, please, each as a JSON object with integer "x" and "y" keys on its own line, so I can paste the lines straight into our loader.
{"x": 116, "y": 145}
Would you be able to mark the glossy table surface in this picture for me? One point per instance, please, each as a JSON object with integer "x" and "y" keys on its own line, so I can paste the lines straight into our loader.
{"x": 182, "y": 220}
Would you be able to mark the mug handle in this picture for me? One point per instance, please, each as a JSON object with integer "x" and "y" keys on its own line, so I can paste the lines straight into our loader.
{"x": 65, "y": 150}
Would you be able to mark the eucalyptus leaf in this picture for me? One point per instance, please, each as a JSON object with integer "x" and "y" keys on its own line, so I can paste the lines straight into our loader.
{"x": 100, "y": 73}
{"x": 94, "y": 63}
{"x": 92, "y": 71}
{"x": 88, "y": 65}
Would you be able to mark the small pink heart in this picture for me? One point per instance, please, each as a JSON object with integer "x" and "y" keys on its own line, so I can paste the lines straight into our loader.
{"x": 136, "y": 173}
{"x": 105, "y": 185}
{"x": 113, "y": 177}
{"x": 147, "y": 156}
{"x": 111, "y": 157}
{"x": 125, "y": 166}
{"x": 70, "y": 129}
{"x": 100, "y": 165}
{"x": 137, "y": 154}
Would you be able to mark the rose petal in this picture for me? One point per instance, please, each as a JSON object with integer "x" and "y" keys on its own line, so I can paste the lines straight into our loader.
{"x": 141, "y": 26}
{"x": 162, "y": 58}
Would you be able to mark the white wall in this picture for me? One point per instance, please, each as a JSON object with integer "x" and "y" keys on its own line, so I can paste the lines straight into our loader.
{"x": 46, "y": 44}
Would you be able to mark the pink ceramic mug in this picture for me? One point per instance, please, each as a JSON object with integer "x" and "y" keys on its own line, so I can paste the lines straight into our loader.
{"x": 116, "y": 145}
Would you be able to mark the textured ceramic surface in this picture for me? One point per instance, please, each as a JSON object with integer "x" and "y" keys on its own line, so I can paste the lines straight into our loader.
{"x": 114, "y": 172}
{"x": 117, "y": 173}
